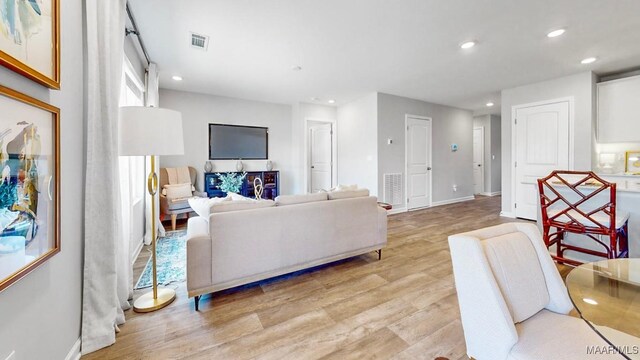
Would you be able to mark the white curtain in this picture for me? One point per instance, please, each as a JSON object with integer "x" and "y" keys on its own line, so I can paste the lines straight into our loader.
{"x": 152, "y": 97}
{"x": 106, "y": 265}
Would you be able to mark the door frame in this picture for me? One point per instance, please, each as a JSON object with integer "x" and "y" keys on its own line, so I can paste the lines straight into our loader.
{"x": 482, "y": 159}
{"x": 307, "y": 151}
{"x": 514, "y": 145}
{"x": 406, "y": 160}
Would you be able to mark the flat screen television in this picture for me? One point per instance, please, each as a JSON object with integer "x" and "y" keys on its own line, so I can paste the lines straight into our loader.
{"x": 231, "y": 142}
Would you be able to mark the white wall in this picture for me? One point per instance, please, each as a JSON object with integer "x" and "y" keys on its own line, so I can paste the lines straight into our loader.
{"x": 40, "y": 314}
{"x": 579, "y": 86}
{"x": 357, "y": 143}
{"x": 198, "y": 110}
{"x": 450, "y": 125}
{"x": 301, "y": 113}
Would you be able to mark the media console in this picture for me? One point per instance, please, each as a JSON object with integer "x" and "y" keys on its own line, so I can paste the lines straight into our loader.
{"x": 270, "y": 183}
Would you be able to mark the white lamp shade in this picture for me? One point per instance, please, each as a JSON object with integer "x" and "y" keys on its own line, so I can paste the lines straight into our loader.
{"x": 150, "y": 131}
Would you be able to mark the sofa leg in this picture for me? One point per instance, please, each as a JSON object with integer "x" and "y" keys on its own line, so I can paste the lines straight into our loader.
{"x": 379, "y": 254}
{"x": 196, "y": 301}
{"x": 174, "y": 217}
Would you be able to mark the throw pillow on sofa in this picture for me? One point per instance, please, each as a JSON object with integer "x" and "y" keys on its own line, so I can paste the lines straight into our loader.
{"x": 177, "y": 191}
{"x": 347, "y": 194}
{"x": 202, "y": 206}
{"x": 284, "y": 200}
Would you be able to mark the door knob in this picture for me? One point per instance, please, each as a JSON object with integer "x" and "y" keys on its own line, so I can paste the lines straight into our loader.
{"x": 479, "y": 165}
{"x": 313, "y": 167}
{"x": 429, "y": 168}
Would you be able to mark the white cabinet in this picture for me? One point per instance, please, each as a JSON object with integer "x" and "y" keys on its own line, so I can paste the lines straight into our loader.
{"x": 619, "y": 110}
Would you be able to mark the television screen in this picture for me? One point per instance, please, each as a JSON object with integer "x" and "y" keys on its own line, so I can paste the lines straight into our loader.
{"x": 230, "y": 142}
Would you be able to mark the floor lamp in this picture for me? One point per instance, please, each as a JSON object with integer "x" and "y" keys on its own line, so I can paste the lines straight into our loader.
{"x": 147, "y": 131}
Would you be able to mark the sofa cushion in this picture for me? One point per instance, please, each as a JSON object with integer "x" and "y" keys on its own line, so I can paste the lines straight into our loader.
{"x": 202, "y": 206}
{"x": 517, "y": 271}
{"x": 237, "y": 197}
{"x": 342, "y": 187}
{"x": 347, "y": 194}
{"x": 227, "y": 206}
{"x": 178, "y": 191}
{"x": 284, "y": 200}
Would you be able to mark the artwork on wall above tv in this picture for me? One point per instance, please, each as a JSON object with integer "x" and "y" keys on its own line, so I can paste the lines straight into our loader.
{"x": 30, "y": 39}
{"x": 29, "y": 184}
{"x": 232, "y": 142}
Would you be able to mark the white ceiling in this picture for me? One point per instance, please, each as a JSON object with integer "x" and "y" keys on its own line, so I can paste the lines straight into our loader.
{"x": 347, "y": 48}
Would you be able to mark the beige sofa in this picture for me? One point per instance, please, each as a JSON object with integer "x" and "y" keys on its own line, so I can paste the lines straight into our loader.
{"x": 240, "y": 247}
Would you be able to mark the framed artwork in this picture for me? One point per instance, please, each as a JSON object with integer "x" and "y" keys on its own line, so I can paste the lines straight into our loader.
{"x": 30, "y": 39}
{"x": 29, "y": 184}
{"x": 632, "y": 162}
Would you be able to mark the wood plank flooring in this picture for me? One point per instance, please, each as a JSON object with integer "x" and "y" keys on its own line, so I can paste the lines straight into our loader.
{"x": 402, "y": 307}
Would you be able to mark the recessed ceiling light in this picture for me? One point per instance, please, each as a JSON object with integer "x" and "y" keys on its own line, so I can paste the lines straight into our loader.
{"x": 588, "y": 60}
{"x": 177, "y": 78}
{"x": 590, "y": 301}
{"x": 315, "y": 99}
{"x": 489, "y": 104}
{"x": 555, "y": 33}
{"x": 296, "y": 68}
{"x": 331, "y": 101}
{"x": 468, "y": 45}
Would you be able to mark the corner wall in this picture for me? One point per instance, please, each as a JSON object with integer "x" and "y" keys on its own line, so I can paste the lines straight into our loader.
{"x": 40, "y": 313}
{"x": 357, "y": 143}
{"x": 581, "y": 88}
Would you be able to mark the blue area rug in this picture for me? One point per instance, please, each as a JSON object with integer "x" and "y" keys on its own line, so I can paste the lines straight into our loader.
{"x": 171, "y": 260}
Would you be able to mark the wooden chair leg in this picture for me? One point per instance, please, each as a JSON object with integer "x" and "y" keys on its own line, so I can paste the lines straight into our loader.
{"x": 174, "y": 217}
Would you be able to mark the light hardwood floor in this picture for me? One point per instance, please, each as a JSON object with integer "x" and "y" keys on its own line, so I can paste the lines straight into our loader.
{"x": 402, "y": 307}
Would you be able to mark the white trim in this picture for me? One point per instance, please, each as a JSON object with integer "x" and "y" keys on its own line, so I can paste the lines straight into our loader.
{"x": 452, "y": 201}
{"x": 482, "y": 157}
{"x": 406, "y": 165}
{"x": 514, "y": 153}
{"x": 508, "y": 214}
{"x": 397, "y": 211}
{"x": 74, "y": 353}
{"x": 496, "y": 193}
{"x": 137, "y": 250}
{"x": 334, "y": 151}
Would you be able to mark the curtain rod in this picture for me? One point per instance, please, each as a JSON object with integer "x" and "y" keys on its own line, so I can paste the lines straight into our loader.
{"x": 136, "y": 33}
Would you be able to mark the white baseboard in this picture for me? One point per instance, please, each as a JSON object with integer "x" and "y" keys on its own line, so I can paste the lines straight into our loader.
{"x": 136, "y": 252}
{"x": 496, "y": 193}
{"x": 397, "y": 211}
{"x": 507, "y": 214}
{"x": 452, "y": 201}
{"x": 74, "y": 353}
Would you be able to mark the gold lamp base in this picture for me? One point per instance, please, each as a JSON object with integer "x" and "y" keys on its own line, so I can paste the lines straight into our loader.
{"x": 146, "y": 303}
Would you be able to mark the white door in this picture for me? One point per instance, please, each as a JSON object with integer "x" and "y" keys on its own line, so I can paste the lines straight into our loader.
{"x": 418, "y": 153}
{"x": 478, "y": 160}
{"x": 542, "y": 145}
{"x": 320, "y": 144}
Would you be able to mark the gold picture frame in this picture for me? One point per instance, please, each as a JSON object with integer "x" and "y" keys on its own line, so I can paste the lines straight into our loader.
{"x": 632, "y": 162}
{"x": 29, "y": 184}
{"x": 15, "y": 40}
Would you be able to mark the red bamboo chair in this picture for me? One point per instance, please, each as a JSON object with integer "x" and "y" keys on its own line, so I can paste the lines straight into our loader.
{"x": 586, "y": 206}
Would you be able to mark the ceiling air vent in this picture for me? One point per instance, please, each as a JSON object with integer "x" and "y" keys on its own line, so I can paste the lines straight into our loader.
{"x": 199, "y": 41}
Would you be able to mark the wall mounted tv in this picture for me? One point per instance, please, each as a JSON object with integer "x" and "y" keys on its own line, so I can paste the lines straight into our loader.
{"x": 231, "y": 142}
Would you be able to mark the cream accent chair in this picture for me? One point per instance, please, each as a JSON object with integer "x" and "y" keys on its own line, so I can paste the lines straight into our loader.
{"x": 176, "y": 207}
{"x": 513, "y": 302}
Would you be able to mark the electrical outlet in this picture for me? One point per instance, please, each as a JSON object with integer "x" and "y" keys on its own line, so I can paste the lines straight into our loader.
{"x": 11, "y": 356}
{"x": 455, "y": 188}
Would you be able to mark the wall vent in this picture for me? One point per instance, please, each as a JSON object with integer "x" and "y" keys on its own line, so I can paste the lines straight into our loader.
{"x": 199, "y": 41}
{"x": 392, "y": 184}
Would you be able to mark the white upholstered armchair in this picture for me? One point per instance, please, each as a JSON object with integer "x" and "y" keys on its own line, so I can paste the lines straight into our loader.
{"x": 513, "y": 302}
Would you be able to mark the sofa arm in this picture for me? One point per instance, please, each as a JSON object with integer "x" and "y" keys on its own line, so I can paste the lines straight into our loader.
{"x": 382, "y": 225}
{"x": 199, "y": 276}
